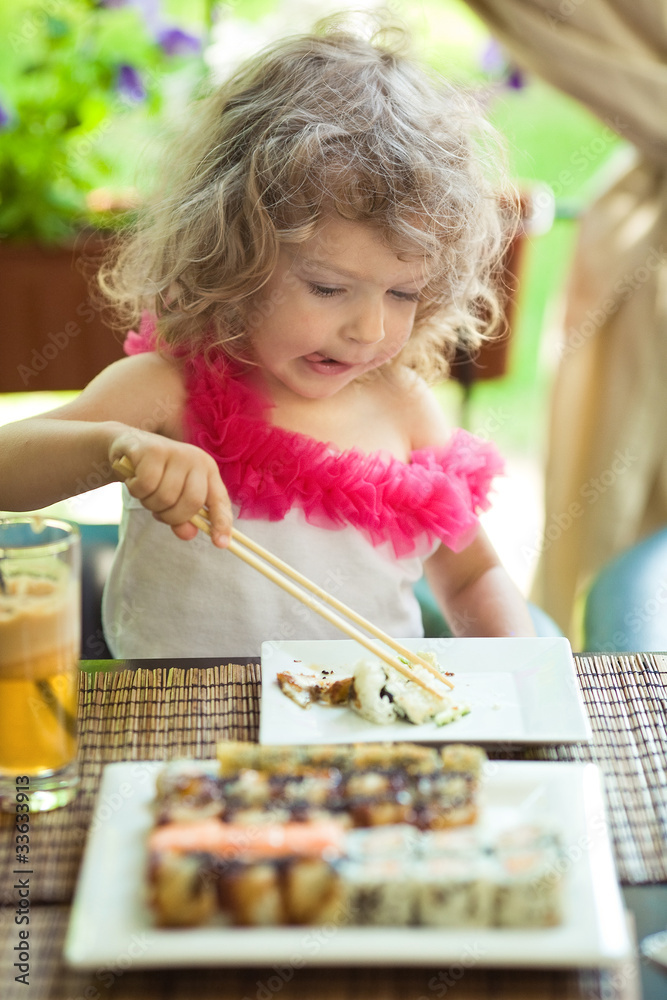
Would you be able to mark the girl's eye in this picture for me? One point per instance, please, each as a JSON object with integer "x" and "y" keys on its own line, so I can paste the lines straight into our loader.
{"x": 324, "y": 290}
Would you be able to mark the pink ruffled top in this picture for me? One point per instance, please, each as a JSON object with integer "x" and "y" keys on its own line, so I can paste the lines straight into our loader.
{"x": 269, "y": 470}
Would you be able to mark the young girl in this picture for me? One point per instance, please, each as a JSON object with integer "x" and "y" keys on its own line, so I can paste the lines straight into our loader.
{"x": 324, "y": 236}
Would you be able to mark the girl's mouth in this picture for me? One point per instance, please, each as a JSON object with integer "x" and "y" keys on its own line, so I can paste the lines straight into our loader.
{"x": 325, "y": 365}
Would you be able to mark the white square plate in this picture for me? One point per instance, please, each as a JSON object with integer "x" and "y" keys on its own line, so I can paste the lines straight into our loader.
{"x": 518, "y": 690}
{"x": 111, "y": 920}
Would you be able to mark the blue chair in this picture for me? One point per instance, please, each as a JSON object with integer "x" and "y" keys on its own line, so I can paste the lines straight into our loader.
{"x": 98, "y": 544}
{"x": 626, "y": 607}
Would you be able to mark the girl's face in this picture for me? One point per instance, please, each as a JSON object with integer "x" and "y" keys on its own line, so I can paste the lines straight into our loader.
{"x": 335, "y": 307}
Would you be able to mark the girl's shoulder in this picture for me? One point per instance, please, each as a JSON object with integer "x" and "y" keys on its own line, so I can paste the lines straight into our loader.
{"x": 145, "y": 390}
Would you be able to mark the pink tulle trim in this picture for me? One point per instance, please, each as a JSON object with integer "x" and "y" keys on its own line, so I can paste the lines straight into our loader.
{"x": 143, "y": 341}
{"x": 269, "y": 470}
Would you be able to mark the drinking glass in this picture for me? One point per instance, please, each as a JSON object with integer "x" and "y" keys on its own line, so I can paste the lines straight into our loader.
{"x": 40, "y": 636}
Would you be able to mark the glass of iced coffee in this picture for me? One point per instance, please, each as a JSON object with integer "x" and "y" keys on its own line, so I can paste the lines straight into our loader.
{"x": 40, "y": 630}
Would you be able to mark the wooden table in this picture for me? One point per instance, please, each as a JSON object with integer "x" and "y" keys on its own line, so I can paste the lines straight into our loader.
{"x": 161, "y": 709}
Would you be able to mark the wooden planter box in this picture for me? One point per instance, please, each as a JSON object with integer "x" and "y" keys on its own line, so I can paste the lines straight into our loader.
{"x": 53, "y": 336}
{"x": 493, "y": 357}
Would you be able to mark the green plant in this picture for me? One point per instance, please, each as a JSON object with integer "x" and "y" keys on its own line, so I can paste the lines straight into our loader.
{"x": 71, "y": 70}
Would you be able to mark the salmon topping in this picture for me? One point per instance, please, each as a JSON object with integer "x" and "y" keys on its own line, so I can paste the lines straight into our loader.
{"x": 250, "y": 843}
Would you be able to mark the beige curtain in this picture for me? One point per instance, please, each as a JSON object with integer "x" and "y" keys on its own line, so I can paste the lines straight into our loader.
{"x": 606, "y": 478}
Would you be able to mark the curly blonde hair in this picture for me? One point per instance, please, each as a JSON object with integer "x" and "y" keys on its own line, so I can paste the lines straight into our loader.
{"x": 313, "y": 124}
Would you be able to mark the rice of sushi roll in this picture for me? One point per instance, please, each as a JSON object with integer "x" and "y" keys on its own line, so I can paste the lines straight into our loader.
{"x": 378, "y": 892}
{"x": 412, "y": 702}
{"x": 454, "y": 891}
{"x": 382, "y": 695}
{"x": 370, "y": 699}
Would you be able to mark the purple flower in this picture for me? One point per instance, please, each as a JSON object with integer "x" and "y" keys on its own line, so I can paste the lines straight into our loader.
{"x": 151, "y": 12}
{"x": 514, "y": 78}
{"x": 175, "y": 42}
{"x": 150, "y": 9}
{"x": 129, "y": 83}
{"x": 492, "y": 60}
{"x": 5, "y": 117}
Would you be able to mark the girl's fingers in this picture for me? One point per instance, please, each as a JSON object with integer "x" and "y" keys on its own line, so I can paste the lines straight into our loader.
{"x": 168, "y": 498}
{"x": 148, "y": 467}
{"x": 186, "y": 532}
{"x": 174, "y": 481}
{"x": 220, "y": 513}
{"x": 198, "y": 490}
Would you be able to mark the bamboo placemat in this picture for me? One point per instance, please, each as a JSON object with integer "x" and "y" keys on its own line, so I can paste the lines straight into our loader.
{"x": 50, "y": 979}
{"x": 161, "y": 713}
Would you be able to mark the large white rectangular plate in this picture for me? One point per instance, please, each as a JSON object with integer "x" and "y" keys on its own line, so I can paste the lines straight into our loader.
{"x": 518, "y": 690}
{"x": 111, "y": 922}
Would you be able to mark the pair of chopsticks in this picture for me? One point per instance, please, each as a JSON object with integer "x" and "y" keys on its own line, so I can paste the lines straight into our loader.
{"x": 292, "y": 582}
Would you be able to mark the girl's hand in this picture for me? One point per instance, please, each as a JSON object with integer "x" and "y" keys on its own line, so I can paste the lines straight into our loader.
{"x": 173, "y": 480}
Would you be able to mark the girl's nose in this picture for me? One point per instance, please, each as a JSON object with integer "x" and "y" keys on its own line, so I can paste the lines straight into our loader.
{"x": 366, "y": 326}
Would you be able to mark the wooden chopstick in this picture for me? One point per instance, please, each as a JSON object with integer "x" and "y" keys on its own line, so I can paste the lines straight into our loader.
{"x": 236, "y": 547}
{"x": 335, "y": 603}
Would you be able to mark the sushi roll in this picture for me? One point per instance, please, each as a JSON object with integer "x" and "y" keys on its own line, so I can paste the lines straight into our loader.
{"x": 282, "y": 891}
{"x": 235, "y": 757}
{"x": 323, "y": 688}
{"x": 197, "y": 870}
{"x": 382, "y": 694}
{"x": 381, "y": 812}
{"x": 452, "y": 803}
{"x": 181, "y": 892}
{"x": 454, "y": 891}
{"x": 313, "y": 892}
{"x": 378, "y": 892}
{"x": 251, "y": 895}
{"x": 249, "y": 788}
{"x": 464, "y": 759}
{"x": 188, "y": 790}
{"x": 410, "y": 757}
{"x": 528, "y": 878}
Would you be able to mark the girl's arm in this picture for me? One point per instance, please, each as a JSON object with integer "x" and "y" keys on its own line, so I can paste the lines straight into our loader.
{"x": 474, "y": 591}
{"x": 476, "y": 594}
{"x": 134, "y": 407}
